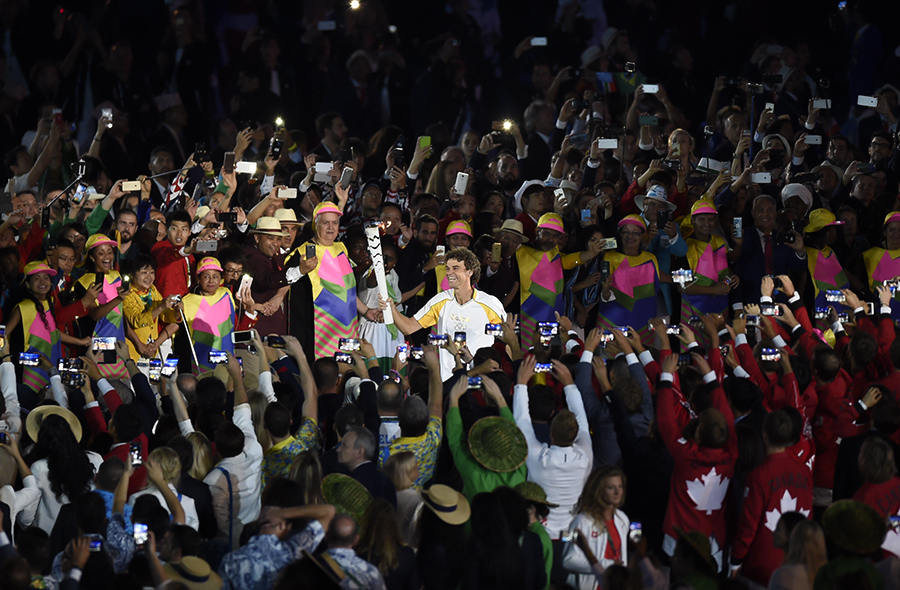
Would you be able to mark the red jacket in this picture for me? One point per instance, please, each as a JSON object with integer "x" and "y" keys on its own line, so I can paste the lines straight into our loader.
{"x": 173, "y": 271}
{"x": 97, "y": 423}
{"x": 702, "y": 475}
{"x": 885, "y": 498}
{"x": 781, "y": 484}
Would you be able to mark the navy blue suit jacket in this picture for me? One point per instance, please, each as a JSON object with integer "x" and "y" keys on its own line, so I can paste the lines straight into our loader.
{"x": 751, "y": 264}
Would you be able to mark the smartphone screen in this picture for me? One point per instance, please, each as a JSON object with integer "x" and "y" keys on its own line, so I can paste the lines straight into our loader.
{"x": 228, "y": 164}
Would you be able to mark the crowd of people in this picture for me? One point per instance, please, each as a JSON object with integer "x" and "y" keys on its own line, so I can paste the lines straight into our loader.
{"x": 300, "y": 296}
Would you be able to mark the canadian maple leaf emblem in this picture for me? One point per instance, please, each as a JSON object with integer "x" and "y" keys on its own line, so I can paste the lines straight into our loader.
{"x": 788, "y": 504}
{"x": 708, "y": 491}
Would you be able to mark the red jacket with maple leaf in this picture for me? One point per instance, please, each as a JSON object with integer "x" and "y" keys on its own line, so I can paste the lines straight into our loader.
{"x": 702, "y": 474}
{"x": 781, "y": 484}
{"x": 883, "y": 497}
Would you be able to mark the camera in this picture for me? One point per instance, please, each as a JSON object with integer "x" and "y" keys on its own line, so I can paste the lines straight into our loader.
{"x": 756, "y": 88}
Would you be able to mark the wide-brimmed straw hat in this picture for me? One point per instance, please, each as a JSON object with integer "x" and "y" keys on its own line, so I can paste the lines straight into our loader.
{"x": 854, "y": 526}
{"x": 532, "y": 492}
{"x": 513, "y": 226}
{"x": 448, "y": 504}
{"x": 268, "y": 226}
{"x": 37, "y": 416}
{"x": 347, "y": 495}
{"x": 498, "y": 444}
{"x": 194, "y": 573}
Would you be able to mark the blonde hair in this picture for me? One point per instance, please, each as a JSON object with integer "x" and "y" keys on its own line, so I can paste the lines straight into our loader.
{"x": 203, "y": 455}
{"x": 258, "y": 403}
{"x": 437, "y": 183}
{"x": 591, "y": 501}
{"x": 807, "y": 547}
{"x": 307, "y": 471}
{"x": 399, "y": 468}
{"x": 168, "y": 462}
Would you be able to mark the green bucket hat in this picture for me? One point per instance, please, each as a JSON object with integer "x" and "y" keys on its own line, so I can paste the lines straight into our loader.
{"x": 347, "y": 495}
{"x": 532, "y": 492}
{"x": 498, "y": 444}
{"x": 854, "y": 526}
{"x": 698, "y": 542}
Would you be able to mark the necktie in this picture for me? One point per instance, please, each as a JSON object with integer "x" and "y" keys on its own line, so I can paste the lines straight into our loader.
{"x": 770, "y": 256}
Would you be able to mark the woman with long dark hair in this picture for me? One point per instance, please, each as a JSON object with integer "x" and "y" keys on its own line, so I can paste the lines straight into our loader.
{"x": 61, "y": 467}
{"x": 381, "y": 544}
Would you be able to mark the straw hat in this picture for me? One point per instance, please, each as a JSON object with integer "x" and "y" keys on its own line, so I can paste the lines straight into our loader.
{"x": 194, "y": 572}
{"x": 269, "y": 226}
{"x": 286, "y": 216}
{"x": 498, "y": 444}
{"x": 819, "y": 220}
{"x": 826, "y": 165}
{"x": 448, "y": 504}
{"x": 551, "y": 221}
{"x": 854, "y": 526}
{"x": 99, "y": 240}
{"x": 656, "y": 193}
{"x": 37, "y": 416}
{"x": 347, "y": 495}
{"x": 534, "y": 493}
{"x": 513, "y": 226}
{"x": 202, "y": 210}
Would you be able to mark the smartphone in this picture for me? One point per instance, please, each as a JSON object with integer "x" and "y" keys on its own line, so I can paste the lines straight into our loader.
{"x": 607, "y": 336}
{"x": 475, "y": 382}
{"x": 416, "y": 353}
{"x": 343, "y": 357}
{"x": 126, "y": 282}
{"x": 245, "y": 167}
{"x": 770, "y": 354}
{"x": 228, "y": 163}
{"x": 348, "y": 344}
{"x": 276, "y": 146}
{"x": 278, "y": 342}
{"x": 648, "y": 120}
{"x": 650, "y": 88}
{"x": 662, "y": 218}
{"x": 673, "y": 329}
{"x": 865, "y": 168}
{"x": 439, "y": 250}
{"x": 95, "y": 542}
{"x": 770, "y": 309}
{"x": 609, "y": 244}
{"x": 538, "y": 41}
{"x": 551, "y": 328}
{"x": 607, "y": 144}
{"x": 604, "y": 271}
{"x": 141, "y": 534}
{"x": 130, "y": 186}
{"x": 170, "y": 366}
{"x": 582, "y": 140}
{"x": 682, "y": 276}
{"x": 623, "y": 330}
{"x": 324, "y": 167}
{"x": 207, "y": 245}
{"x": 870, "y": 308}
{"x": 495, "y": 330}
{"x": 684, "y": 359}
{"x": 155, "y": 370}
{"x": 738, "y": 228}
{"x": 45, "y": 218}
{"x": 289, "y": 193}
{"x": 402, "y": 352}
{"x": 217, "y": 357}
{"x": 543, "y": 368}
{"x": 424, "y": 141}
{"x": 246, "y": 282}
{"x": 752, "y": 320}
{"x": 844, "y": 318}
{"x": 770, "y": 106}
{"x": 459, "y": 338}
{"x": 326, "y": 25}
{"x": 79, "y": 194}
{"x": 2, "y": 336}
{"x": 813, "y": 140}
{"x": 761, "y": 177}
{"x": 822, "y": 103}
{"x": 867, "y": 101}
{"x": 136, "y": 454}
{"x": 462, "y": 182}
{"x": 585, "y": 217}
{"x": 57, "y": 116}
{"x": 670, "y": 164}
{"x": 821, "y": 313}
{"x": 243, "y": 336}
{"x": 310, "y": 251}
{"x": 107, "y": 347}
{"x": 835, "y": 296}
{"x": 438, "y": 340}
{"x": 745, "y": 133}
{"x": 695, "y": 320}
{"x": 29, "y": 359}
{"x": 346, "y": 178}
{"x": 634, "y": 532}
{"x": 723, "y": 350}
{"x": 496, "y": 252}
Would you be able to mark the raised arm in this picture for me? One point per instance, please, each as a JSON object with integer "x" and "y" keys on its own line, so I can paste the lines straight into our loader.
{"x": 435, "y": 385}
{"x": 154, "y": 473}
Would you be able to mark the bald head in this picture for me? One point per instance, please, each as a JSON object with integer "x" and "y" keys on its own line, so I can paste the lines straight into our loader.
{"x": 343, "y": 532}
{"x": 389, "y": 397}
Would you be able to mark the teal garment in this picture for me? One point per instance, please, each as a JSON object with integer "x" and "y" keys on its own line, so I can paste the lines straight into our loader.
{"x": 834, "y": 569}
{"x": 540, "y": 530}
{"x": 476, "y": 479}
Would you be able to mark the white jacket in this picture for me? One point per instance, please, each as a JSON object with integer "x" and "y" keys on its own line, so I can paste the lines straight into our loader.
{"x": 581, "y": 575}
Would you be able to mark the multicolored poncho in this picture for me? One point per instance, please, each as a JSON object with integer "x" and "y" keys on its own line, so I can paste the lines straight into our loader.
{"x": 634, "y": 281}
{"x": 41, "y": 338}
{"x": 334, "y": 298}
{"x": 211, "y": 321}
{"x": 541, "y": 286}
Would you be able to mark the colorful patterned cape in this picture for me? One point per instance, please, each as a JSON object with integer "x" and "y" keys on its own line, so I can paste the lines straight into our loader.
{"x": 334, "y": 298}
{"x": 541, "y": 286}
{"x": 211, "y": 321}
{"x": 882, "y": 266}
{"x": 112, "y": 325}
{"x": 709, "y": 263}
{"x": 635, "y": 283}
{"x": 38, "y": 337}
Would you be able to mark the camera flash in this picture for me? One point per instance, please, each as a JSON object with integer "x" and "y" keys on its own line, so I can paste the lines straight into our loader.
{"x": 507, "y": 125}
{"x": 279, "y": 122}
{"x": 354, "y": 4}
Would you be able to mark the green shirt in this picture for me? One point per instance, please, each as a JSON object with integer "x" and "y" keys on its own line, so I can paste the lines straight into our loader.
{"x": 540, "y": 530}
{"x": 476, "y": 479}
{"x": 834, "y": 569}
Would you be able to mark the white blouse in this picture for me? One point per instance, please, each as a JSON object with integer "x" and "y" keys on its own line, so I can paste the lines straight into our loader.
{"x": 49, "y": 507}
